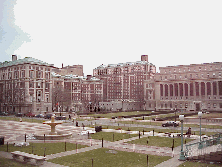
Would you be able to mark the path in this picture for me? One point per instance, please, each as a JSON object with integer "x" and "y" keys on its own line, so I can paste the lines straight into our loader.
{"x": 14, "y": 132}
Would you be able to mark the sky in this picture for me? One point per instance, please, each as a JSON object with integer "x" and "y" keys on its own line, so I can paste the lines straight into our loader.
{"x": 91, "y": 33}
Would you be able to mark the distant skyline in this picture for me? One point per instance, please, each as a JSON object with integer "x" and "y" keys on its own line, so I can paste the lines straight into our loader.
{"x": 91, "y": 33}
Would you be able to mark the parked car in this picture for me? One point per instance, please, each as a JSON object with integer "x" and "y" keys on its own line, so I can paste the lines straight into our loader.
{"x": 19, "y": 114}
{"x": 170, "y": 123}
{"x": 48, "y": 116}
{"x": 30, "y": 114}
{"x": 158, "y": 119}
{"x": 39, "y": 116}
{"x": 4, "y": 113}
{"x": 60, "y": 118}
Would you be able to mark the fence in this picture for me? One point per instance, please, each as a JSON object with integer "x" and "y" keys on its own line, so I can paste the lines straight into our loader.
{"x": 207, "y": 145}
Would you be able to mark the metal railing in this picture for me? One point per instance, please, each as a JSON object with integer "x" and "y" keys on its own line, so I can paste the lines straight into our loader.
{"x": 207, "y": 145}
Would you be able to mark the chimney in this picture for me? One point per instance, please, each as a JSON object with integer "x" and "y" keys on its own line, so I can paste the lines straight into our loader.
{"x": 62, "y": 65}
{"x": 89, "y": 77}
{"x": 144, "y": 58}
{"x": 14, "y": 57}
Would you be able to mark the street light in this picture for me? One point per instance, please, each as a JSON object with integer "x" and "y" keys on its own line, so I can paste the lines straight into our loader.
{"x": 182, "y": 156}
{"x": 200, "y": 115}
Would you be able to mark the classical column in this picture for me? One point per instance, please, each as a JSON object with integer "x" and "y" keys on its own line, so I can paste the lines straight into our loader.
{"x": 199, "y": 83}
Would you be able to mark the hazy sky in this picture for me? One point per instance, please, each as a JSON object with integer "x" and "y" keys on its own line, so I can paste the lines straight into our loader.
{"x": 91, "y": 33}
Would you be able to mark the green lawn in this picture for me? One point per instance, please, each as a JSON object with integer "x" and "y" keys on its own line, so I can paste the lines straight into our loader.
{"x": 103, "y": 159}
{"x": 198, "y": 164}
{"x": 159, "y": 141}
{"x": 109, "y": 115}
{"x": 23, "y": 119}
{"x": 4, "y": 162}
{"x": 160, "y": 124}
{"x": 164, "y": 116}
{"x": 38, "y": 148}
{"x": 109, "y": 136}
{"x": 211, "y": 115}
{"x": 203, "y": 126}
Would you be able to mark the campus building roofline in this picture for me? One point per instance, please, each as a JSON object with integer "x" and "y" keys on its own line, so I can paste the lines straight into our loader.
{"x": 26, "y": 60}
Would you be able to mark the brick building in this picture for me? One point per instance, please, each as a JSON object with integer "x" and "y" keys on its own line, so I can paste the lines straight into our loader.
{"x": 123, "y": 83}
{"x": 25, "y": 85}
{"x": 186, "y": 87}
{"x": 76, "y": 93}
{"x": 73, "y": 70}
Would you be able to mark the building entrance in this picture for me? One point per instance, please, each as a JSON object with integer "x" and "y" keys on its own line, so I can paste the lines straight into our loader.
{"x": 198, "y": 107}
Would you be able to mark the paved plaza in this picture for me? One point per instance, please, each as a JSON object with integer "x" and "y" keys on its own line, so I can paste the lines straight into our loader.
{"x": 14, "y": 132}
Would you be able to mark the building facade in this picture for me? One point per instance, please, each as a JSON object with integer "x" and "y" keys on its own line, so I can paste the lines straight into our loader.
{"x": 124, "y": 81}
{"x": 25, "y": 86}
{"x": 76, "y": 93}
{"x": 186, "y": 87}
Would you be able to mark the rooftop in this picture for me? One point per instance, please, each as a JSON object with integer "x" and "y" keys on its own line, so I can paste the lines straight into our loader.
{"x": 123, "y": 64}
{"x": 26, "y": 60}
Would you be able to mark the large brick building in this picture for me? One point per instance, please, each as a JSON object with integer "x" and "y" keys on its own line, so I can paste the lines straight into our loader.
{"x": 123, "y": 83}
{"x": 186, "y": 87}
{"x": 32, "y": 85}
{"x": 25, "y": 85}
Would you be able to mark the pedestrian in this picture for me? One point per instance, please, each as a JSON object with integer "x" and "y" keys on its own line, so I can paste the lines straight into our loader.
{"x": 69, "y": 117}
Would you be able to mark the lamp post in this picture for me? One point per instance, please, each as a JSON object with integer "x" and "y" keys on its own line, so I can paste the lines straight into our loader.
{"x": 200, "y": 115}
{"x": 182, "y": 156}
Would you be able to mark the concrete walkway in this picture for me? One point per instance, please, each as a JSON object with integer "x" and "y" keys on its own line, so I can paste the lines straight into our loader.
{"x": 14, "y": 132}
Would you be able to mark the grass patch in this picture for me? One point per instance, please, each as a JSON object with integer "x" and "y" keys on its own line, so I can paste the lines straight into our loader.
{"x": 159, "y": 141}
{"x": 140, "y": 123}
{"x": 101, "y": 158}
{"x": 109, "y": 136}
{"x": 203, "y": 126}
{"x": 38, "y": 148}
{"x": 109, "y": 115}
{"x": 160, "y": 124}
{"x": 198, "y": 164}
{"x": 164, "y": 115}
{"x": 8, "y": 162}
{"x": 211, "y": 115}
{"x": 23, "y": 119}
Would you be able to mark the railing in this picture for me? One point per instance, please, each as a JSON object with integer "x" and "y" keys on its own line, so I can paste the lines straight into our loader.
{"x": 207, "y": 145}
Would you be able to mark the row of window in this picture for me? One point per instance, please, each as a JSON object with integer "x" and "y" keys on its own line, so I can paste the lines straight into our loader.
{"x": 209, "y": 105}
{"x": 195, "y": 69}
{"x": 192, "y": 89}
{"x": 186, "y": 76}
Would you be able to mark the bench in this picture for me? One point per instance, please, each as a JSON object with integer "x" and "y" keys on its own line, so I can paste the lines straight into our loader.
{"x": 27, "y": 157}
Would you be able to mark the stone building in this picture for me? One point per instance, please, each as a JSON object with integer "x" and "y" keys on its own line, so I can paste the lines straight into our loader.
{"x": 25, "y": 85}
{"x": 123, "y": 83}
{"x": 186, "y": 87}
